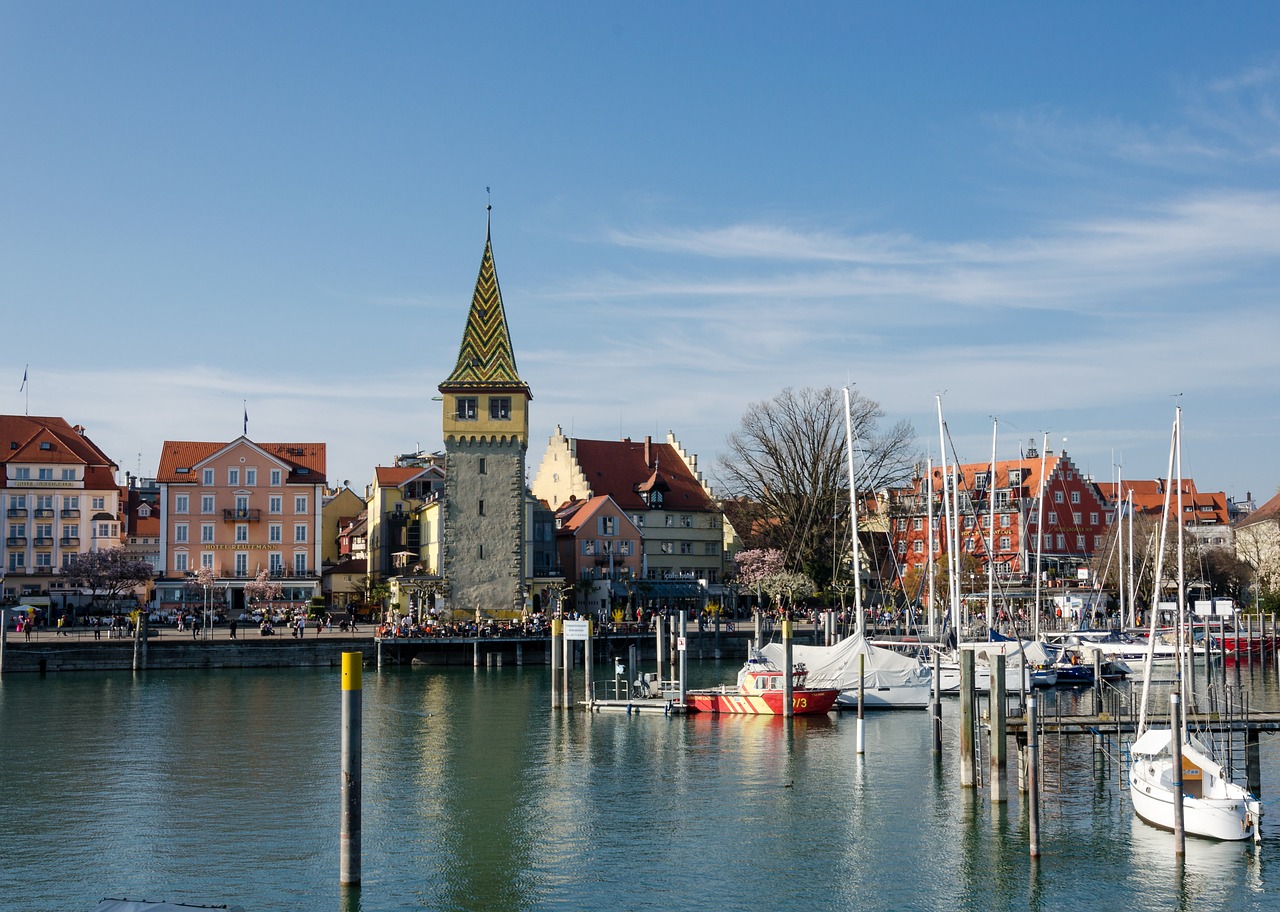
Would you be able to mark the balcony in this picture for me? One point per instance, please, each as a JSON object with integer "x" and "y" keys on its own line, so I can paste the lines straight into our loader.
{"x": 16, "y": 512}
{"x": 43, "y": 541}
{"x": 69, "y": 541}
{"x": 44, "y": 513}
{"x": 16, "y": 541}
{"x": 70, "y": 514}
{"x": 241, "y": 515}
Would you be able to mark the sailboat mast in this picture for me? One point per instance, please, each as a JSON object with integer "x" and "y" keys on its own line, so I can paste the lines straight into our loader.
{"x": 952, "y": 570}
{"x": 1120, "y": 541}
{"x": 1044, "y": 451}
{"x": 853, "y": 519}
{"x": 930, "y": 564}
{"x": 1155, "y": 593}
{"x": 1181, "y": 601}
{"x": 991, "y": 535}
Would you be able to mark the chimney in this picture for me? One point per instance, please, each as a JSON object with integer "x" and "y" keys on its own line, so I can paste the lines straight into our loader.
{"x": 648, "y": 451}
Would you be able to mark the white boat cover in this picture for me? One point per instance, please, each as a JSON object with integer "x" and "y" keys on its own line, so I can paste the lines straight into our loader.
{"x": 837, "y": 666}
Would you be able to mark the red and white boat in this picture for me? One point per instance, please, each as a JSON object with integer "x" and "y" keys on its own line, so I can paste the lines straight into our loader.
{"x": 760, "y": 691}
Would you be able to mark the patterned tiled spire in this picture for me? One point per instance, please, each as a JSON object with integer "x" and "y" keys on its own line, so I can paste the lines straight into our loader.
{"x": 486, "y": 359}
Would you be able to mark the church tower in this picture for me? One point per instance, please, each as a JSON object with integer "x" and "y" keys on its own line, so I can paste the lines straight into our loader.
{"x": 486, "y": 435}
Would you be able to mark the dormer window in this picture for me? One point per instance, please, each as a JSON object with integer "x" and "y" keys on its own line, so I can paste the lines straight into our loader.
{"x": 655, "y": 500}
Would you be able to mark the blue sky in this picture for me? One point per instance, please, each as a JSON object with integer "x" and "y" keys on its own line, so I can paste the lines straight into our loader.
{"x": 1064, "y": 218}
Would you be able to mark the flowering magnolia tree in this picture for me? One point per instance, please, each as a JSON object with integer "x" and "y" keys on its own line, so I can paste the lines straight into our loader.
{"x": 758, "y": 564}
{"x": 262, "y": 589}
{"x": 788, "y": 587}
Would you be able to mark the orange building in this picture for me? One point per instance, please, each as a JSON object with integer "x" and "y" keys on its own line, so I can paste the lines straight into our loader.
{"x": 239, "y": 508}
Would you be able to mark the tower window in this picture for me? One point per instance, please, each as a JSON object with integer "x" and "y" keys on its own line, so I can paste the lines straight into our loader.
{"x": 481, "y": 508}
{"x": 466, "y": 408}
{"x": 500, "y": 408}
{"x": 482, "y": 466}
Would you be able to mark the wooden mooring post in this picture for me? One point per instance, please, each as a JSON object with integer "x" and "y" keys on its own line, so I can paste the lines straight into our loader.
{"x": 999, "y": 735}
{"x": 968, "y": 761}
{"x": 1032, "y": 766}
{"x": 557, "y": 657}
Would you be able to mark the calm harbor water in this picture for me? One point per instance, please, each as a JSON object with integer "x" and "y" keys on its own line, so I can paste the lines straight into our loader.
{"x": 223, "y": 786}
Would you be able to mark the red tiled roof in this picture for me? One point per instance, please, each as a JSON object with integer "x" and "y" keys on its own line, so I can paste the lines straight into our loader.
{"x": 22, "y": 435}
{"x": 394, "y": 476}
{"x": 617, "y": 467}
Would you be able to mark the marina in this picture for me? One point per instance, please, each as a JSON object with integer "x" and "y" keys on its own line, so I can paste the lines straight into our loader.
{"x": 478, "y": 797}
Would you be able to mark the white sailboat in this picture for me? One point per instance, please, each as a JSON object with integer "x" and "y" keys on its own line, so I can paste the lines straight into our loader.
{"x": 1211, "y": 804}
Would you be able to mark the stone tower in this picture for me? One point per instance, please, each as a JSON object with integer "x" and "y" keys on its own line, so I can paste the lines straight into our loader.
{"x": 486, "y": 435}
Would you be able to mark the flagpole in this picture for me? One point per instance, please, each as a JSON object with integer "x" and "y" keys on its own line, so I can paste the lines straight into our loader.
{"x": 26, "y": 407}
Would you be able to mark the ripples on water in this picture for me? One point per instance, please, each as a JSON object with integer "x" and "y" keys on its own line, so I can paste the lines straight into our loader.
{"x": 223, "y": 786}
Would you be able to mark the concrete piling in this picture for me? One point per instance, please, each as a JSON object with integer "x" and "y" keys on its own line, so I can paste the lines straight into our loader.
{"x": 349, "y": 823}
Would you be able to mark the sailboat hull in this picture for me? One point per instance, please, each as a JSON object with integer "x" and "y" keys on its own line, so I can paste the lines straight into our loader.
{"x": 1229, "y": 819}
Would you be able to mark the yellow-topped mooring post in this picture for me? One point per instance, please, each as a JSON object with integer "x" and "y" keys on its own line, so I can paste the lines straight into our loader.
{"x": 349, "y": 826}
{"x": 557, "y": 656}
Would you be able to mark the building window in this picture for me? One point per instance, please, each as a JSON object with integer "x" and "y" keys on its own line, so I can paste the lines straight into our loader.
{"x": 251, "y": 477}
{"x": 242, "y": 564}
{"x": 482, "y": 467}
{"x": 1097, "y": 542}
{"x": 668, "y": 548}
{"x": 1080, "y": 542}
{"x": 22, "y": 474}
{"x": 46, "y": 474}
{"x": 1093, "y": 519}
{"x": 686, "y": 547}
{"x": 480, "y": 508}
{"x": 638, "y": 519}
{"x": 1062, "y": 542}
{"x": 275, "y": 504}
{"x": 466, "y": 408}
{"x": 275, "y": 478}
{"x": 608, "y": 525}
{"x": 206, "y": 503}
{"x": 275, "y": 563}
{"x": 180, "y": 533}
{"x": 480, "y": 551}
{"x": 1004, "y": 543}
{"x": 206, "y": 560}
{"x": 670, "y": 521}
{"x": 275, "y": 533}
{"x": 1053, "y": 518}
{"x": 588, "y": 546}
{"x": 300, "y": 563}
{"x": 242, "y": 532}
{"x": 206, "y": 478}
{"x": 686, "y": 522}
{"x": 233, "y": 477}
{"x": 1057, "y": 497}
{"x": 299, "y": 532}
{"x": 713, "y": 550}
{"x": 300, "y": 504}
{"x": 500, "y": 408}
{"x": 181, "y": 504}
{"x": 1075, "y": 497}
{"x": 68, "y": 474}
{"x": 180, "y": 563}
{"x": 917, "y": 523}
{"x": 626, "y": 548}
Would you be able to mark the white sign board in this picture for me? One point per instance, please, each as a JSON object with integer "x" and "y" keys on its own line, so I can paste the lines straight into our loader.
{"x": 576, "y": 630}
{"x": 682, "y": 644}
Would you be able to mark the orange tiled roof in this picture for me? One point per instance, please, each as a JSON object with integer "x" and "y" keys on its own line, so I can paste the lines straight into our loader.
{"x": 394, "y": 476}
{"x": 177, "y": 454}
{"x": 22, "y": 435}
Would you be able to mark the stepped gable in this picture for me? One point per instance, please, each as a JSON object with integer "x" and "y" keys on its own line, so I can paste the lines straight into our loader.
{"x": 486, "y": 359}
{"x": 620, "y": 468}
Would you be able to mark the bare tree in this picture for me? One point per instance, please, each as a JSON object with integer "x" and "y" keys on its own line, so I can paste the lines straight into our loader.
{"x": 786, "y": 467}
